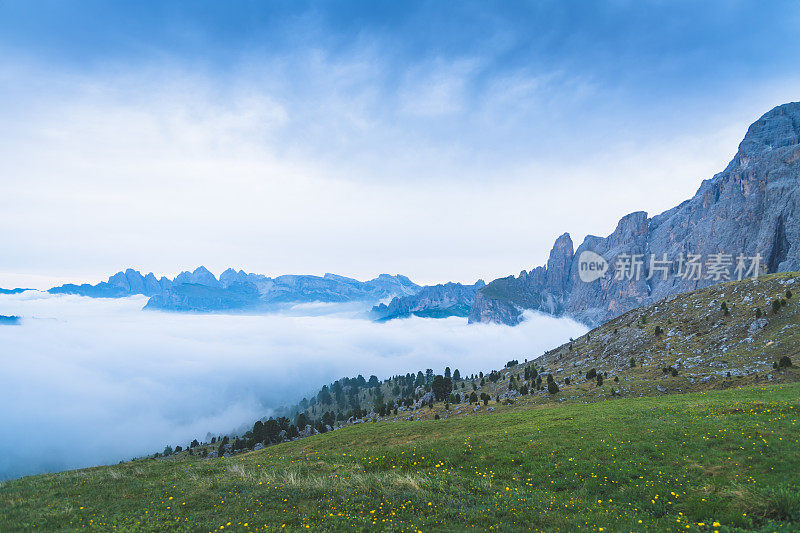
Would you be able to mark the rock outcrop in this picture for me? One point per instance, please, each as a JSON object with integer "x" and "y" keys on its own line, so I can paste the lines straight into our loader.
{"x": 751, "y": 209}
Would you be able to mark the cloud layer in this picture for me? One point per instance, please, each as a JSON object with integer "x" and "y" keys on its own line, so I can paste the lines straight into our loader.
{"x": 88, "y": 381}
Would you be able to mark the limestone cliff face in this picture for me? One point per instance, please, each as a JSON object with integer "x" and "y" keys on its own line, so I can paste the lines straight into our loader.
{"x": 752, "y": 207}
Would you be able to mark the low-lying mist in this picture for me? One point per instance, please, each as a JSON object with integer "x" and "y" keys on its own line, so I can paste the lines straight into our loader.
{"x": 91, "y": 381}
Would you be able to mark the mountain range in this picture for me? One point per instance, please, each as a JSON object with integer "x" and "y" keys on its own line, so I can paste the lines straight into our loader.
{"x": 201, "y": 291}
{"x": 750, "y": 209}
{"x": 747, "y": 211}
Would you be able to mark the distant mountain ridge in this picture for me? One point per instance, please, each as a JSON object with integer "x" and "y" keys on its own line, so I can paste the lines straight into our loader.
{"x": 201, "y": 291}
{"x": 12, "y": 291}
{"x": 433, "y": 301}
{"x": 752, "y": 207}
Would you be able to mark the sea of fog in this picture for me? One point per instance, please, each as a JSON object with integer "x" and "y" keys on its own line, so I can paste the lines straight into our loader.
{"x": 94, "y": 381}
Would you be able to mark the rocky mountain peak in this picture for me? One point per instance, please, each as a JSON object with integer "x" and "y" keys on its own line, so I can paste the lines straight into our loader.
{"x": 778, "y": 128}
{"x": 749, "y": 210}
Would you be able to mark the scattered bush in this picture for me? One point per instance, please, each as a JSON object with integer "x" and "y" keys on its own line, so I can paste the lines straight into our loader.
{"x": 599, "y": 380}
{"x": 758, "y": 312}
{"x": 632, "y": 362}
{"x": 784, "y": 362}
{"x": 776, "y": 306}
{"x": 552, "y": 387}
{"x": 789, "y": 293}
{"x": 724, "y": 308}
{"x": 591, "y": 374}
{"x": 670, "y": 370}
{"x": 659, "y": 331}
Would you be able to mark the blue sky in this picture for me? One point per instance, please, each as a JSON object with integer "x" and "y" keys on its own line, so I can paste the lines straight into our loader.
{"x": 440, "y": 140}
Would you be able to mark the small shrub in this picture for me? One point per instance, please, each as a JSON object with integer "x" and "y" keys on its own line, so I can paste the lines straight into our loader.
{"x": 591, "y": 374}
{"x": 776, "y": 306}
{"x": 632, "y": 362}
{"x": 566, "y": 381}
{"x": 552, "y": 387}
{"x": 789, "y": 293}
{"x": 758, "y": 312}
{"x": 599, "y": 380}
{"x": 784, "y": 362}
{"x": 724, "y": 308}
{"x": 659, "y": 331}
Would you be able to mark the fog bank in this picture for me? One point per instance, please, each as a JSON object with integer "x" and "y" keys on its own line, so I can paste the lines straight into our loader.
{"x": 90, "y": 381}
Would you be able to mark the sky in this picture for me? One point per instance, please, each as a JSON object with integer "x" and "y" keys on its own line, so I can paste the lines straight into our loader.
{"x": 97, "y": 381}
{"x": 443, "y": 141}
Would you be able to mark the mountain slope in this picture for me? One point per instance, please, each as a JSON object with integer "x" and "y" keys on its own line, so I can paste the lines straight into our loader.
{"x": 750, "y": 208}
{"x": 723, "y": 461}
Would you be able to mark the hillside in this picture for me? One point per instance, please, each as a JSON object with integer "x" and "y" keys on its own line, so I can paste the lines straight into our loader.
{"x": 522, "y": 456}
{"x": 718, "y": 461}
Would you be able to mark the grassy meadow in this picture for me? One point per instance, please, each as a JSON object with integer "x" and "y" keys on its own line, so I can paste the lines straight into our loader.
{"x": 708, "y": 461}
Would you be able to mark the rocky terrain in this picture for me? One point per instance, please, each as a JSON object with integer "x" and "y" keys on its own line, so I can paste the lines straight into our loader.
{"x": 750, "y": 208}
{"x": 432, "y": 301}
{"x": 201, "y": 291}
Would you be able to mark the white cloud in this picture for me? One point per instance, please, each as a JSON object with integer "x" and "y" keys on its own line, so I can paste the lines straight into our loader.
{"x": 89, "y": 381}
{"x": 312, "y": 162}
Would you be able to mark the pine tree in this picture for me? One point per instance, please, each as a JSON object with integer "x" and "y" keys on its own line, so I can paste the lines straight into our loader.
{"x": 552, "y": 387}
{"x": 441, "y": 386}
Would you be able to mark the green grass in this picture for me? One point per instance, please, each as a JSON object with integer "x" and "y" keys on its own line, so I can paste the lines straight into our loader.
{"x": 641, "y": 464}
